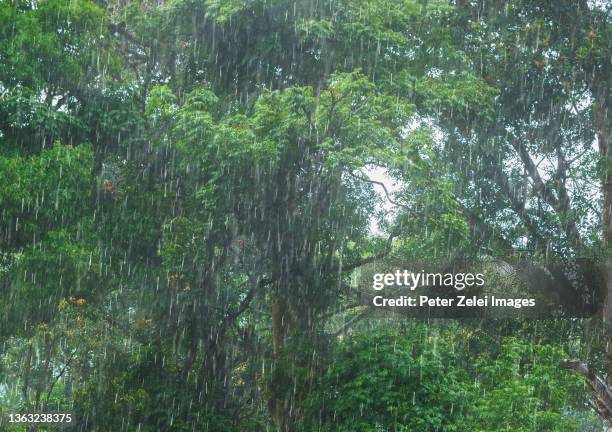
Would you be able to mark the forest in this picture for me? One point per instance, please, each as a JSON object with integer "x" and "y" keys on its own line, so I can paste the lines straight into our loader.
{"x": 196, "y": 197}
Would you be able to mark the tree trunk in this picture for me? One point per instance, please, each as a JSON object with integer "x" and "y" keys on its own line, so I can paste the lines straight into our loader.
{"x": 601, "y": 392}
{"x": 278, "y": 404}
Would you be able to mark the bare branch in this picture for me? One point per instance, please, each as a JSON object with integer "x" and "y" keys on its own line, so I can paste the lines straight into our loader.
{"x": 384, "y": 188}
{"x": 58, "y": 376}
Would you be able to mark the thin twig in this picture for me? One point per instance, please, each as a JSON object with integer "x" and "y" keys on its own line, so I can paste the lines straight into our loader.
{"x": 384, "y": 188}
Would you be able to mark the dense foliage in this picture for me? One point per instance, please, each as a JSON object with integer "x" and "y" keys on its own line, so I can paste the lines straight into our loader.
{"x": 189, "y": 198}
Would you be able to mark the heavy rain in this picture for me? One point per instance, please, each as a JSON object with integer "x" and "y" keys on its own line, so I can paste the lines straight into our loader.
{"x": 199, "y": 201}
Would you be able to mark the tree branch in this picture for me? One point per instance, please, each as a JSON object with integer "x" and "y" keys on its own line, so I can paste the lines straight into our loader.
{"x": 561, "y": 207}
{"x": 373, "y": 258}
{"x": 244, "y": 304}
{"x": 517, "y": 205}
{"x": 601, "y": 392}
{"x": 384, "y": 188}
{"x": 59, "y": 375}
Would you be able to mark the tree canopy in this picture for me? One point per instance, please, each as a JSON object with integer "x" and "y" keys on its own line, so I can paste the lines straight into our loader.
{"x": 192, "y": 193}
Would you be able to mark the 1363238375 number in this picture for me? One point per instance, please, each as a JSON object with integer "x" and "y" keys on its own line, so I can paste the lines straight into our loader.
{"x": 39, "y": 418}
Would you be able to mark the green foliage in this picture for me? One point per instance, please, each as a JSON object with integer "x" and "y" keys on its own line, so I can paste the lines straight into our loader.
{"x": 185, "y": 185}
{"x": 52, "y": 43}
{"x": 522, "y": 388}
{"x": 421, "y": 378}
{"x": 393, "y": 379}
{"x": 44, "y": 192}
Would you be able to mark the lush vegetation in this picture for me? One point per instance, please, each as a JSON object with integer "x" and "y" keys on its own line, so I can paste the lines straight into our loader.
{"x": 189, "y": 209}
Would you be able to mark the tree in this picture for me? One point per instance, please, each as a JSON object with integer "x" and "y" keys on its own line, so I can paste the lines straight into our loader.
{"x": 187, "y": 196}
